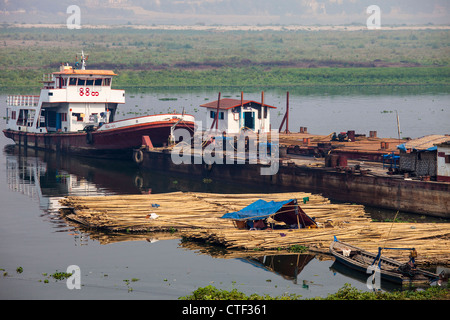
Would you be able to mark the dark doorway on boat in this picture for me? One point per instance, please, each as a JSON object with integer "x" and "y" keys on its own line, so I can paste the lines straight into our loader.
{"x": 249, "y": 120}
{"x": 51, "y": 120}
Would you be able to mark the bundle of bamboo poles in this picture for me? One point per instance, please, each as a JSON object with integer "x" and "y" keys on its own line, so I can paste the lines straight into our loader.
{"x": 431, "y": 240}
{"x": 197, "y": 216}
{"x": 134, "y": 212}
{"x": 187, "y": 210}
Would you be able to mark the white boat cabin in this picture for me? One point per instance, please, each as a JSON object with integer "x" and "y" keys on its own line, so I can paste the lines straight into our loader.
{"x": 236, "y": 114}
{"x": 71, "y": 100}
{"x": 443, "y": 161}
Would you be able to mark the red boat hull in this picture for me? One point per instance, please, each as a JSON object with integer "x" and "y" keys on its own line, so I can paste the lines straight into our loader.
{"x": 97, "y": 143}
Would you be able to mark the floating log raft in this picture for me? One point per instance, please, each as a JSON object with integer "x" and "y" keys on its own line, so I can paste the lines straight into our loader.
{"x": 196, "y": 216}
{"x": 185, "y": 211}
{"x": 431, "y": 240}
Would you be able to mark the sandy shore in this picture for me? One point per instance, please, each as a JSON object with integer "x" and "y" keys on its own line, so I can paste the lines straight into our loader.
{"x": 239, "y": 28}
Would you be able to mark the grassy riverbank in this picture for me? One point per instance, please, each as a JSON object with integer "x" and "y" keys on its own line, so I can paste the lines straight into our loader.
{"x": 256, "y": 76}
{"x": 190, "y": 58}
{"x": 284, "y": 77}
{"x": 345, "y": 293}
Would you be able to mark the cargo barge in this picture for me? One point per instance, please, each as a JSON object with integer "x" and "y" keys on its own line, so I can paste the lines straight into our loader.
{"x": 363, "y": 173}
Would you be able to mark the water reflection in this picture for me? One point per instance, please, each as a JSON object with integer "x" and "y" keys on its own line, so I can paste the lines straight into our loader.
{"x": 286, "y": 266}
{"x": 45, "y": 178}
{"x": 49, "y": 175}
{"x": 339, "y": 268}
{"x": 46, "y": 175}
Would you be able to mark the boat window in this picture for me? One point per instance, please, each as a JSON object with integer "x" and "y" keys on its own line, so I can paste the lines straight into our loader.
{"x": 107, "y": 82}
{"x": 62, "y": 82}
{"x": 30, "y": 118}
{"x": 79, "y": 116}
{"x": 93, "y": 117}
{"x": 13, "y": 115}
{"x": 72, "y": 81}
{"x": 22, "y": 117}
{"x": 213, "y": 115}
{"x": 98, "y": 82}
{"x": 81, "y": 82}
{"x": 89, "y": 82}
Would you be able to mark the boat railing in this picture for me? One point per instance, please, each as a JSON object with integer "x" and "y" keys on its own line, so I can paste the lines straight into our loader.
{"x": 47, "y": 77}
{"x": 23, "y": 101}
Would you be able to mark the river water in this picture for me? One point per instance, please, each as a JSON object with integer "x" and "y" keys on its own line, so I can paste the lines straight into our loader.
{"x": 36, "y": 239}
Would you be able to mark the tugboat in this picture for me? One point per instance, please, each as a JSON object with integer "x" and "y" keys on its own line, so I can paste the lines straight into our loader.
{"x": 75, "y": 113}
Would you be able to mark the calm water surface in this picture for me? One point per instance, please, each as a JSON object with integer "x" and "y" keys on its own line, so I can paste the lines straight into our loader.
{"x": 34, "y": 237}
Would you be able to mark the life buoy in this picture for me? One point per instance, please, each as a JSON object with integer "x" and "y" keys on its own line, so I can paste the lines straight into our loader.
{"x": 138, "y": 156}
{"x": 139, "y": 182}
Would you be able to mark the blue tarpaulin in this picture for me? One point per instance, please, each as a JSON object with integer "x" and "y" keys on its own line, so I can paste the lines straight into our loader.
{"x": 402, "y": 147}
{"x": 258, "y": 210}
{"x": 286, "y": 211}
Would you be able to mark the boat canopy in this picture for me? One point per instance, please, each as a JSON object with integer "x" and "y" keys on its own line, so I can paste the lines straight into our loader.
{"x": 287, "y": 211}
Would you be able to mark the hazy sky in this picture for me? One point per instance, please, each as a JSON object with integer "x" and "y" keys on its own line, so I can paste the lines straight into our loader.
{"x": 227, "y": 12}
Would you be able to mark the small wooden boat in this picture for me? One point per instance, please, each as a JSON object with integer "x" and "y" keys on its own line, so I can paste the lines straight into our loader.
{"x": 390, "y": 269}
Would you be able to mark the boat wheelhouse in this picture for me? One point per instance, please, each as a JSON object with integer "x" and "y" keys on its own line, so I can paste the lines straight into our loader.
{"x": 75, "y": 112}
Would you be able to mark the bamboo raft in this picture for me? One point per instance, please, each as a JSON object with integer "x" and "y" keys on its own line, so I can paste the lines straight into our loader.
{"x": 196, "y": 216}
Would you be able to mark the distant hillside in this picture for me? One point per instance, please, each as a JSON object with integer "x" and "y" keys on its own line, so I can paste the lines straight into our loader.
{"x": 227, "y": 12}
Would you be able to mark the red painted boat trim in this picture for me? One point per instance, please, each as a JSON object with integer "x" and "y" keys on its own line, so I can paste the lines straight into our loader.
{"x": 443, "y": 178}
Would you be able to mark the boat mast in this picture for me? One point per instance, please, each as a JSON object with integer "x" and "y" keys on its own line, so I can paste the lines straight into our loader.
{"x": 83, "y": 61}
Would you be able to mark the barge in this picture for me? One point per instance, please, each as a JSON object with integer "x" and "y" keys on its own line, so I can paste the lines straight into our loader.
{"x": 372, "y": 183}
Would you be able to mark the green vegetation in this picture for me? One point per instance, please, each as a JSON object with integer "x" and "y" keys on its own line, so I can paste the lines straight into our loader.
{"x": 350, "y": 293}
{"x": 346, "y": 293}
{"x": 298, "y": 248}
{"x": 163, "y": 58}
{"x": 59, "y": 275}
{"x": 277, "y": 77}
